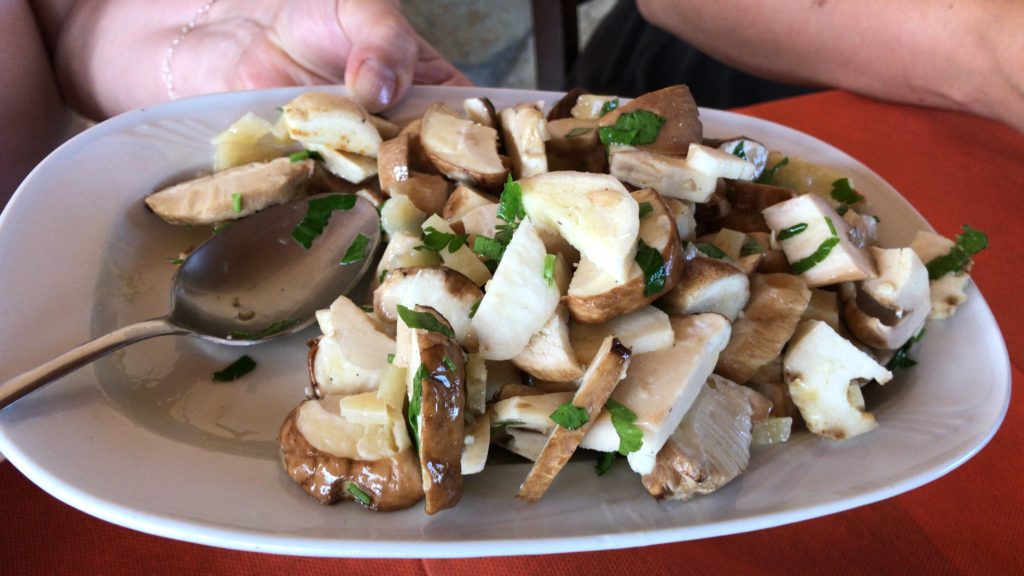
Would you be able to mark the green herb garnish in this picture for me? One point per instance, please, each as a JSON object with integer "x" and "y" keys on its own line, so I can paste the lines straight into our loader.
{"x": 710, "y": 250}
{"x": 791, "y": 231}
{"x": 391, "y": 358}
{"x": 805, "y": 264}
{"x": 436, "y": 241}
{"x": 901, "y": 358}
{"x": 549, "y": 269}
{"x": 630, "y": 437}
{"x": 967, "y": 244}
{"x": 578, "y": 131}
{"x": 236, "y": 202}
{"x": 448, "y": 364}
{"x": 424, "y": 320}
{"x": 654, "y": 269}
{"x": 488, "y": 247}
{"x": 645, "y": 209}
{"x": 235, "y": 370}
{"x": 475, "y": 307}
{"x": 217, "y": 229}
{"x": 270, "y": 330}
{"x": 317, "y": 214}
{"x": 501, "y": 424}
{"x": 604, "y": 463}
{"x": 357, "y": 250}
{"x": 738, "y": 150}
{"x": 176, "y": 261}
{"x": 358, "y": 493}
{"x": 416, "y": 402}
{"x": 843, "y": 192}
{"x": 609, "y": 106}
{"x": 635, "y": 128}
{"x": 570, "y": 417}
{"x": 751, "y": 247}
{"x": 768, "y": 175}
{"x": 305, "y": 155}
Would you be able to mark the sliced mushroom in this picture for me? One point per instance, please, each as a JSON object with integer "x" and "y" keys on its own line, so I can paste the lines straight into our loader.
{"x": 683, "y": 213}
{"x": 746, "y": 201}
{"x": 645, "y": 330}
{"x": 708, "y": 285}
{"x": 462, "y": 150}
{"x": 710, "y": 447}
{"x": 519, "y": 300}
{"x": 345, "y": 165}
{"x": 481, "y": 111}
{"x": 682, "y": 119}
{"x": 463, "y": 200}
{"x": 596, "y": 297}
{"x": 248, "y": 139}
{"x": 573, "y": 137}
{"x": 393, "y": 162}
{"x": 436, "y": 387}
{"x": 824, "y": 306}
{"x": 427, "y": 192}
{"x": 530, "y": 409}
{"x": 777, "y": 303}
{"x": 770, "y": 382}
{"x": 670, "y": 175}
{"x": 661, "y": 386}
{"x": 891, "y": 308}
{"x": 400, "y": 215}
{"x": 593, "y": 212}
{"x": 949, "y": 291}
{"x": 563, "y": 108}
{"x": 450, "y": 293}
{"x": 820, "y": 367}
{"x": 750, "y": 150}
{"x": 386, "y": 128}
{"x": 462, "y": 260}
{"x": 550, "y": 354}
{"x": 481, "y": 221}
{"x": 418, "y": 159}
{"x": 806, "y": 249}
{"x": 522, "y": 442}
{"x": 334, "y": 459}
{"x": 805, "y": 177}
{"x": 477, "y": 442}
{"x": 525, "y": 133}
{"x": 352, "y": 354}
{"x": 210, "y": 199}
{"x": 602, "y": 376}
{"x": 333, "y": 121}
{"x": 401, "y": 252}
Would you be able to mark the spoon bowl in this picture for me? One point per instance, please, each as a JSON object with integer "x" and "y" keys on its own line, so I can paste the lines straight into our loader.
{"x": 249, "y": 283}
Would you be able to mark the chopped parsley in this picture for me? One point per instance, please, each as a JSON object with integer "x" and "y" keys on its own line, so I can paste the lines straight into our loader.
{"x": 901, "y": 358}
{"x": 578, "y": 131}
{"x": 175, "y": 261}
{"x": 448, "y": 364}
{"x": 768, "y": 175}
{"x": 424, "y": 320}
{"x": 511, "y": 211}
{"x": 635, "y": 128}
{"x": 317, "y": 214}
{"x": 488, "y": 247}
{"x": 549, "y": 269}
{"x": 475, "y": 307}
{"x": 967, "y": 244}
{"x": 710, "y": 250}
{"x": 570, "y": 417}
{"x": 357, "y": 250}
{"x": 391, "y": 358}
{"x": 305, "y": 155}
{"x": 358, "y": 493}
{"x": 235, "y": 370}
{"x": 236, "y": 202}
{"x": 217, "y": 229}
{"x": 604, "y": 463}
{"x": 502, "y": 424}
{"x": 739, "y": 151}
{"x": 843, "y": 192}
{"x": 654, "y": 269}
{"x": 645, "y": 209}
{"x": 630, "y": 437}
{"x": 815, "y": 258}
{"x": 751, "y": 247}
{"x": 609, "y": 106}
{"x": 270, "y": 330}
{"x": 791, "y": 231}
{"x": 416, "y": 402}
{"x": 436, "y": 241}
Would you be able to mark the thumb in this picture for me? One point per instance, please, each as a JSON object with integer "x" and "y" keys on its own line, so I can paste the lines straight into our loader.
{"x": 379, "y": 69}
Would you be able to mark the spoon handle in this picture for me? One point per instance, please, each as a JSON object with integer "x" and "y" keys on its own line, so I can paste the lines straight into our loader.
{"x": 79, "y": 356}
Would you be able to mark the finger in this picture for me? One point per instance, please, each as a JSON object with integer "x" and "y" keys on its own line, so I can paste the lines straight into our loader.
{"x": 379, "y": 69}
{"x": 432, "y": 68}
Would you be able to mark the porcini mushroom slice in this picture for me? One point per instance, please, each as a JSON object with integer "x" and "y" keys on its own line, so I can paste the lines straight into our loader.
{"x": 481, "y": 111}
{"x": 436, "y": 387}
{"x": 891, "y": 308}
{"x": 463, "y": 200}
{"x": 820, "y": 366}
{"x": 352, "y": 354}
{"x": 746, "y": 201}
{"x": 332, "y": 120}
{"x": 645, "y": 330}
{"x": 334, "y": 459}
{"x": 550, "y": 355}
{"x": 591, "y": 106}
{"x": 462, "y": 259}
{"x": 593, "y": 212}
{"x": 595, "y": 296}
{"x": 777, "y": 303}
{"x": 708, "y": 285}
{"x": 529, "y": 409}
{"x": 525, "y": 132}
{"x": 450, "y": 293}
{"x": 710, "y": 447}
{"x": 661, "y": 386}
{"x": 393, "y": 162}
{"x": 345, "y": 165}
{"x": 572, "y": 137}
{"x": 816, "y": 241}
{"x": 461, "y": 149}
{"x": 210, "y": 199}
{"x": 604, "y": 373}
{"x": 949, "y": 291}
{"x": 682, "y": 119}
{"x": 670, "y": 175}
{"x": 518, "y": 300}
{"x": 428, "y": 192}
{"x": 476, "y": 444}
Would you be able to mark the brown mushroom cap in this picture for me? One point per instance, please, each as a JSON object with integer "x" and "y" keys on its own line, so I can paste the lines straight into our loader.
{"x": 461, "y": 149}
{"x": 682, "y": 119}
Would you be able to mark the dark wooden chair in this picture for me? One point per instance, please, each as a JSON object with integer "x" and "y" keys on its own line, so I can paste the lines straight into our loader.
{"x": 556, "y": 41}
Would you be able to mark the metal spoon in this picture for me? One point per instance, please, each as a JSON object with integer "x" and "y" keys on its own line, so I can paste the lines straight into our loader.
{"x": 249, "y": 283}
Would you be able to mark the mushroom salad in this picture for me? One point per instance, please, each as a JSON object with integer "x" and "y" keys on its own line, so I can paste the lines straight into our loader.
{"x": 600, "y": 277}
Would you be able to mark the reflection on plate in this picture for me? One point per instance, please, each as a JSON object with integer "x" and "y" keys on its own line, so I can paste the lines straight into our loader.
{"x": 146, "y": 440}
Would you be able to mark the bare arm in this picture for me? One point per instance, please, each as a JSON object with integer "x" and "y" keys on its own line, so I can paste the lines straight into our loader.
{"x": 958, "y": 54}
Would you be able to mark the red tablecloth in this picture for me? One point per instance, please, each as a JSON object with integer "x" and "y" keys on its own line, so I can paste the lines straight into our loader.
{"x": 955, "y": 169}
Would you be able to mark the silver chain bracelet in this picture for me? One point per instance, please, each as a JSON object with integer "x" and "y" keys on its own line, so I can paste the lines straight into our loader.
{"x": 196, "y": 20}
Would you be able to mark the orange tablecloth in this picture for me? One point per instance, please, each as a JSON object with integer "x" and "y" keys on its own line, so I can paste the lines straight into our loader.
{"x": 955, "y": 169}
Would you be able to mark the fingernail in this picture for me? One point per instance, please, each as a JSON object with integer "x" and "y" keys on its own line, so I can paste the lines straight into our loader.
{"x": 375, "y": 84}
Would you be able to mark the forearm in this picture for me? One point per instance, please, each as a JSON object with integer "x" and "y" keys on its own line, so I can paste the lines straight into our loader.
{"x": 950, "y": 55}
